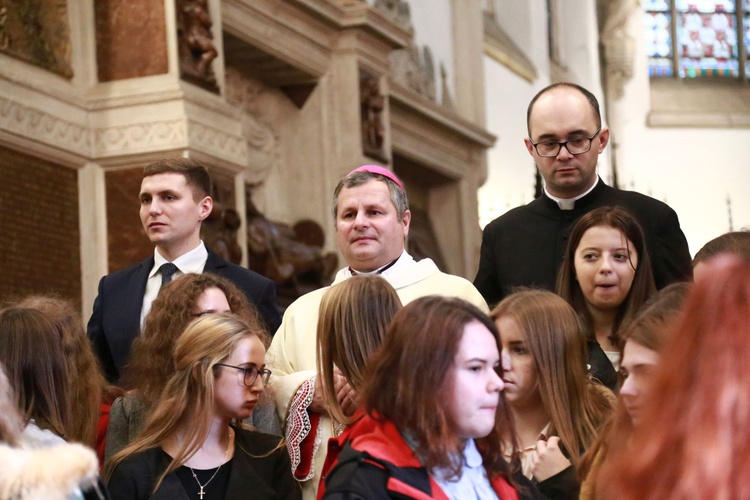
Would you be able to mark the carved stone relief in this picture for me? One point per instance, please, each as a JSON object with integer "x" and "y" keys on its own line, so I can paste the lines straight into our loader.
{"x": 195, "y": 42}
{"x": 259, "y": 138}
{"x": 372, "y": 105}
{"x": 618, "y": 45}
{"x": 37, "y": 31}
{"x": 44, "y": 127}
{"x": 396, "y": 9}
{"x": 415, "y": 70}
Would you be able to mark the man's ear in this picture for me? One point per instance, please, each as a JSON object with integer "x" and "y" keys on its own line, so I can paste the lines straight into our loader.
{"x": 206, "y": 205}
{"x": 529, "y": 146}
{"x": 406, "y": 220}
{"x": 603, "y": 139}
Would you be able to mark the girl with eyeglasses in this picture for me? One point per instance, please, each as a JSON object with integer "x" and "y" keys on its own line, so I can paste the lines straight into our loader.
{"x": 193, "y": 445}
{"x": 178, "y": 303}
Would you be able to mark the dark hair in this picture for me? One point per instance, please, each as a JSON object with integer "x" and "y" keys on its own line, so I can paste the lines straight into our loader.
{"x": 413, "y": 363}
{"x": 693, "y": 439}
{"x": 31, "y": 351}
{"x": 398, "y": 195}
{"x": 151, "y": 362}
{"x": 736, "y": 242}
{"x": 196, "y": 175}
{"x": 591, "y": 98}
{"x": 354, "y": 317}
{"x": 643, "y": 282}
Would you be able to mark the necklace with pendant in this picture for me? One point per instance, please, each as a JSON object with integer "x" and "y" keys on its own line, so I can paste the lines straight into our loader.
{"x": 203, "y": 486}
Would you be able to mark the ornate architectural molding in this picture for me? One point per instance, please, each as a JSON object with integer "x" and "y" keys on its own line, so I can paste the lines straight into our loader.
{"x": 39, "y": 126}
{"x": 139, "y": 138}
{"x": 216, "y": 142}
{"x": 415, "y": 70}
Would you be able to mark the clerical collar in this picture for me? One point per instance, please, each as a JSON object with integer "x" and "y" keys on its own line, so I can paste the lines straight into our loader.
{"x": 382, "y": 269}
{"x": 569, "y": 203}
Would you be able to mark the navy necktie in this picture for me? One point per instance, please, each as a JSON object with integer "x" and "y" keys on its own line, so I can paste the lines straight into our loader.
{"x": 167, "y": 271}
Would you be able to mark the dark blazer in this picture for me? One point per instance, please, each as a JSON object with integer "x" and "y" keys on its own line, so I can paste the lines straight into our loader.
{"x": 255, "y": 472}
{"x": 525, "y": 247}
{"x": 115, "y": 321}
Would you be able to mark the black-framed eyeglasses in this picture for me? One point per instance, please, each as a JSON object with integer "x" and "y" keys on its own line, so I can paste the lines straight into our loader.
{"x": 251, "y": 373}
{"x": 577, "y": 146}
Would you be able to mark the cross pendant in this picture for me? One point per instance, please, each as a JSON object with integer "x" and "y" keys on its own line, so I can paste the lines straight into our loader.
{"x": 201, "y": 493}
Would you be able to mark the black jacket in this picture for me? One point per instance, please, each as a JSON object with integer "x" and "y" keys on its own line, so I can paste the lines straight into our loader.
{"x": 115, "y": 321}
{"x": 525, "y": 247}
{"x": 254, "y": 473}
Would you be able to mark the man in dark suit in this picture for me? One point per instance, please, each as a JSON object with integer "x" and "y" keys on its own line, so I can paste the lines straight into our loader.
{"x": 175, "y": 198}
{"x": 525, "y": 247}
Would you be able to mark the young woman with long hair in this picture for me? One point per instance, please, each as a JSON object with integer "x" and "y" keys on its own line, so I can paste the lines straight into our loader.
{"x": 693, "y": 433}
{"x": 178, "y": 303}
{"x": 353, "y": 320}
{"x": 90, "y": 394}
{"x": 555, "y": 405}
{"x": 606, "y": 276}
{"x": 192, "y": 445}
{"x": 643, "y": 341}
{"x": 31, "y": 351}
{"x": 437, "y": 423}
{"x": 63, "y": 471}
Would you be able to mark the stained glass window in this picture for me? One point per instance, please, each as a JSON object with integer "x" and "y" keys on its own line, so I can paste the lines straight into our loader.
{"x": 696, "y": 39}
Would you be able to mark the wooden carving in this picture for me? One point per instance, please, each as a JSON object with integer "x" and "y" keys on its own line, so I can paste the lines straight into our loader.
{"x": 37, "y": 31}
{"x": 195, "y": 41}
{"x": 372, "y": 105}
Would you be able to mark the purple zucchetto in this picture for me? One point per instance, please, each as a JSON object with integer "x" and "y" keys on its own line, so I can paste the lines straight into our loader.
{"x": 377, "y": 169}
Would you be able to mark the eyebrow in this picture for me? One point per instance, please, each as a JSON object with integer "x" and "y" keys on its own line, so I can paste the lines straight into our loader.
{"x": 159, "y": 193}
{"x": 545, "y": 137}
{"x": 625, "y": 249}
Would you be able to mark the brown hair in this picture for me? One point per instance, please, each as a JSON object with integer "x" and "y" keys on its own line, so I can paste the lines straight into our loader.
{"x": 31, "y": 350}
{"x": 649, "y": 329}
{"x": 11, "y": 424}
{"x": 151, "y": 362}
{"x": 196, "y": 175}
{"x": 414, "y": 364}
{"x": 643, "y": 281}
{"x": 692, "y": 442}
{"x": 354, "y": 317}
{"x": 576, "y": 406}
{"x": 187, "y": 402}
{"x": 737, "y": 243}
{"x": 86, "y": 383}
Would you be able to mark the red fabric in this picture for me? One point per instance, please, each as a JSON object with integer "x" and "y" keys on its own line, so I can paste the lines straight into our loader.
{"x": 306, "y": 448}
{"x": 382, "y": 440}
{"x": 101, "y": 432}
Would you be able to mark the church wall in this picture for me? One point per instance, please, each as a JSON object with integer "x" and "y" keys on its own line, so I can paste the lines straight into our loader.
{"x": 432, "y": 20}
{"x": 693, "y": 169}
{"x": 39, "y": 234}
